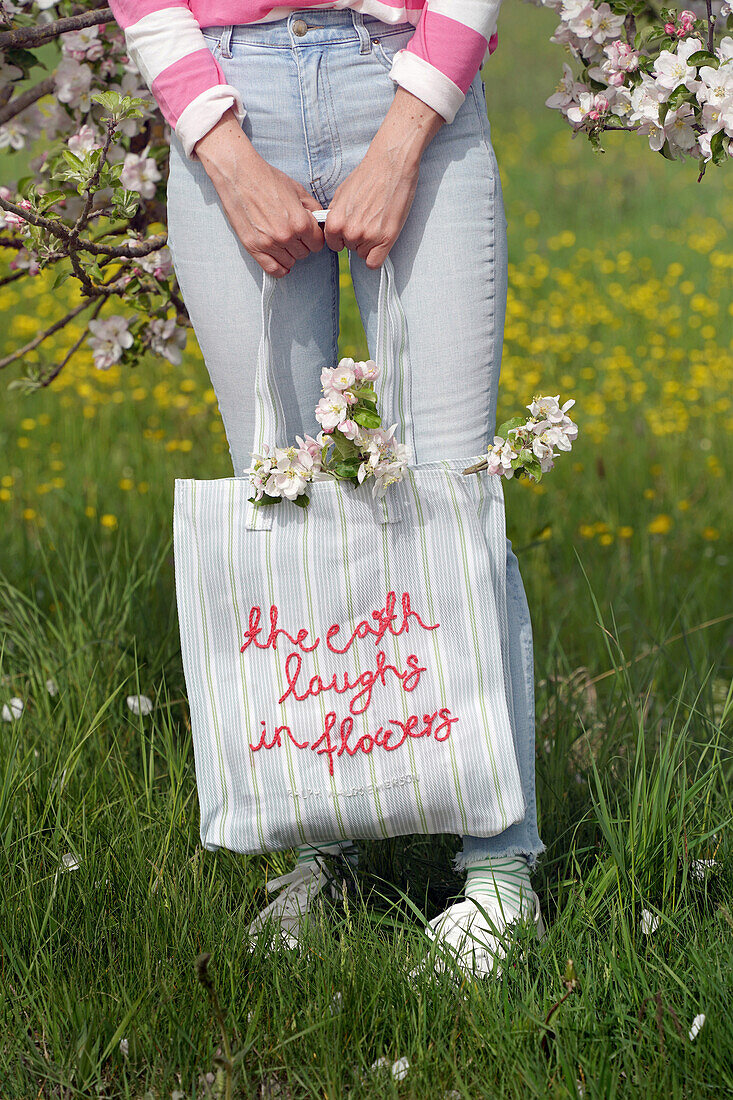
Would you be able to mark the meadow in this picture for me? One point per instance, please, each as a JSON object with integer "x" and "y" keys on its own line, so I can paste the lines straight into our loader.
{"x": 620, "y": 295}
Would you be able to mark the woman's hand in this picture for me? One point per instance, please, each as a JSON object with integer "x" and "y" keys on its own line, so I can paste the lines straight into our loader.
{"x": 370, "y": 207}
{"x": 269, "y": 211}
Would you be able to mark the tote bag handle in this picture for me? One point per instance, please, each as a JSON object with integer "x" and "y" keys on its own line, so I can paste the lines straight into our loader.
{"x": 391, "y": 355}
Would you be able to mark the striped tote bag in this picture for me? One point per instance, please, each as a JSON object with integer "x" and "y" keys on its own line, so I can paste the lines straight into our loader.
{"x": 344, "y": 663}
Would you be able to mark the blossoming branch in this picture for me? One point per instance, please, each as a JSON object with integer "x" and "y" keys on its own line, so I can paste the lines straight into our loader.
{"x": 351, "y": 446}
{"x": 525, "y": 446}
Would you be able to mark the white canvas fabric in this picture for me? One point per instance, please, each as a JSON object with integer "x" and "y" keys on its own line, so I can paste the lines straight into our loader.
{"x": 343, "y": 662}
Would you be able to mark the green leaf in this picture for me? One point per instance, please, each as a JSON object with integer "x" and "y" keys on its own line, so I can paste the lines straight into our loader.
{"x": 343, "y": 448}
{"x": 665, "y": 151}
{"x": 347, "y": 469}
{"x": 302, "y": 501}
{"x": 49, "y": 198}
{"x": 72, "y": 159}
{"x": 703, "y": 57}
{"x": 680, "y": 93}
{"x": 367, "y": 418}
{"x": 508, "y": 425}
{"x": 61, "y": 277}
{"x": 265, "y": 501}
{"x": 717, "y": 150}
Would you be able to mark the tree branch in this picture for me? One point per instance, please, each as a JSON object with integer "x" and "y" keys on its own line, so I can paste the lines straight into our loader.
{"x": 139, "y": 248}
{"x": 12, "y": 277}
{"x": 25, "y": 99}
{"x": 26, "y": 38}
{"x": 48, "y": 379}
{"x": 43, "y": 335}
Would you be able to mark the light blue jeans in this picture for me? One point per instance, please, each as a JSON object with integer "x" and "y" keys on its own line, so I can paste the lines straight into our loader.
{"x": 314, "y": 103}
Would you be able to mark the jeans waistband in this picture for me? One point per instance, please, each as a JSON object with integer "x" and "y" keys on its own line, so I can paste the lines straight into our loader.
{"x": 322, "y": 26}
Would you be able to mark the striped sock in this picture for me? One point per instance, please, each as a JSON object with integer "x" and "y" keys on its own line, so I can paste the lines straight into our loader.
{"x": 502, "y": 877}
{"x": 306, "y": 853}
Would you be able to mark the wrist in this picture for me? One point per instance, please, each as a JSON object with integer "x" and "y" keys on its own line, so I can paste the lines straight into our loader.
{"x": 224, "y": 146}
{"x": 408, "y": 127}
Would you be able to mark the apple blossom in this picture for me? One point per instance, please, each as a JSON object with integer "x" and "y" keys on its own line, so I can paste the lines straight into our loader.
{"x": 167, "y": 338}
{"x": 82, "y": 45}
{"x": 140, "y": 173}
{"x": 73, "y": 83}
{"x": 672, "y": 68}
{"x": 108, "y": 340}
{"x": 330, "y": 411}
{"x": 84, "y": 140}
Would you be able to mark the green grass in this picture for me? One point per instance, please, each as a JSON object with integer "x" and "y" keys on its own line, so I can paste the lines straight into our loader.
{"x": 620, "y": 285}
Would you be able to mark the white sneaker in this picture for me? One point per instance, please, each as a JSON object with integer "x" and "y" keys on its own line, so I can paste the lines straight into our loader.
{"x": 470, "y": 936}
{"x": 285, "y": 914}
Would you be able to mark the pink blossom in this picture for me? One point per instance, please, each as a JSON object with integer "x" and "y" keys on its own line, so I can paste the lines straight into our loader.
{"x": 349, "y": 428}
{"x": 83, "y": 141}
{"x": 309, "y": 445}
{"x": 330, "y": 411}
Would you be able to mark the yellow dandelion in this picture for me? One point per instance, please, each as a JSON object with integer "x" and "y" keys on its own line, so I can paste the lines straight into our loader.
{"x": 587, "y": 530}
{"x": 5, "y": 494}
{"x": 710, "y": 533}
{"x": 625, "y": 532}
{"x": 660, "y": 525}
{"x": 606, "y": 539}
{"x": 90, "y": 512}
{"x": 29, "y": 513}
{"x": 126, "y": 483}
{"x": 108, "y": 520}
{"x": 28, "y": 424}
{"x": 683, "y": 505}
{"x": 143, "y": 487}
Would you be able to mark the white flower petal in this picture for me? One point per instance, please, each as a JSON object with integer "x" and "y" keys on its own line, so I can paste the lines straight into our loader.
{"x": 649, "y": 922}
{"x": 13, "y": 709}
{"x": 139, "y": 704}
{"x": 400, "y": 1068}
{"x": 696, "y": 1025}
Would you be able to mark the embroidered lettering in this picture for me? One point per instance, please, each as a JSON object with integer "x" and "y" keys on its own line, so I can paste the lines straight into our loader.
{"x": 412, "y": 726}
{"x": 410, "y": 678}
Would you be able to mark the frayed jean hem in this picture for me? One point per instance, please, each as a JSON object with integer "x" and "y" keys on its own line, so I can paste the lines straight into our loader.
{"x": 532, "y": 855}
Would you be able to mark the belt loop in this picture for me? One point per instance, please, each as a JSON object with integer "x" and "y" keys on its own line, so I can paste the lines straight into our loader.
{"x": 225, "y": 42}
{"x": 365, "y": 41}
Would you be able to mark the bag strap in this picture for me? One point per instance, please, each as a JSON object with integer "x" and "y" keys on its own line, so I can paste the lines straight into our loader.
{"x": 392, "y": 389}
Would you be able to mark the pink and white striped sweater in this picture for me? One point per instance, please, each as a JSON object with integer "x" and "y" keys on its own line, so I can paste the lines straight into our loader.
{"x": 451, "y": 41}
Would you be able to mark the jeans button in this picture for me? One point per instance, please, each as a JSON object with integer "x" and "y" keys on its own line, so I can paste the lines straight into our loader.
{"x": 300, "y": 27}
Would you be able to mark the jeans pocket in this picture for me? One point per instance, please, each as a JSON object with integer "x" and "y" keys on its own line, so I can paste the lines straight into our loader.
{"x": 386, "y": 46}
